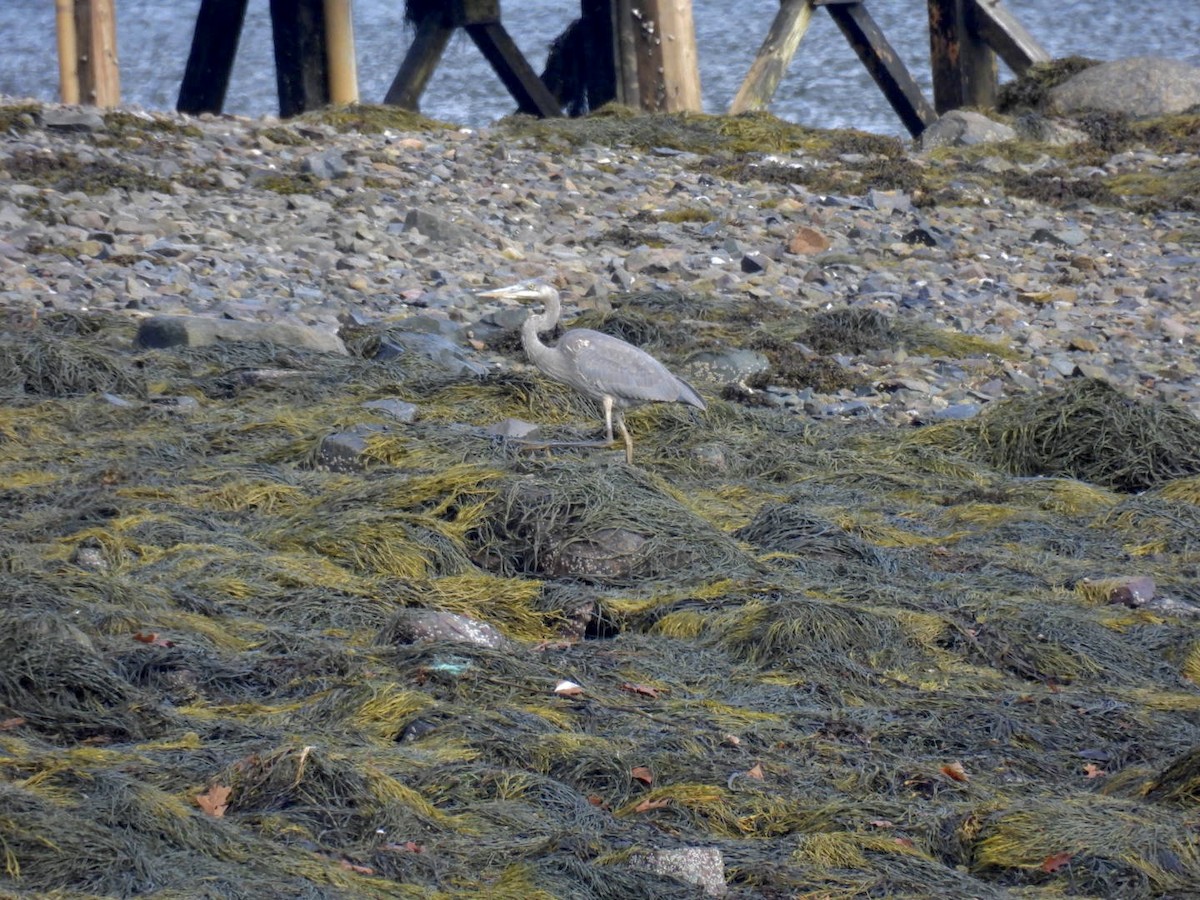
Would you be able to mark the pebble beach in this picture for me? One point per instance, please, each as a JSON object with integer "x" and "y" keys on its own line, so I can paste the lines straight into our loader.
{"x": 319, "y": 225}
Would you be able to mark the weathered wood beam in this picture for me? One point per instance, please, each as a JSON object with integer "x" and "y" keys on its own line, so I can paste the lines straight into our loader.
{"x": 668, "y": 72}
{"x": 339, "y": 46}
{"x": 210, "y": 62}
{"x": 1016, "y": 46}
{"x": 532, "y": 96}
{"x": 600, "y": 58}
{"x": 419, "y": 64}
{"x": 776, "y": 52}
{"x": 625, "y": 27}
{"x": 964, "y": 66}
{"x": 301, "y": 70}
{"x": 97, "y": 74}
{"x": 882, "y": 62}
{"x": 68, "y": 51}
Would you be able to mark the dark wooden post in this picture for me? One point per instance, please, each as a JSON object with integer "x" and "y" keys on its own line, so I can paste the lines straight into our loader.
{"x": 625, "y": 35}
{"x": 481, "y": 20}
{"x": 210, "y": 62}
{"x": 599, "y": 51}
{"x": 882, "y": 62}
{"x": 301, "y": 63}
{"x": 964, "y": 66}
{"x": 433, "y": 34}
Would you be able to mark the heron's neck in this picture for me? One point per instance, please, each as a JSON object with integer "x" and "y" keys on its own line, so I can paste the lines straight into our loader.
{"x": 538, "y": 353}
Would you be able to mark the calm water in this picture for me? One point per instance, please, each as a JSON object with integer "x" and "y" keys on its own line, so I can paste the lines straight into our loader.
{"x": 825, "y": 86}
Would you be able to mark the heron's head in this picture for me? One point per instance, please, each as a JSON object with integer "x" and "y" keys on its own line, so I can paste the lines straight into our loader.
{"x": 523, "y": 290}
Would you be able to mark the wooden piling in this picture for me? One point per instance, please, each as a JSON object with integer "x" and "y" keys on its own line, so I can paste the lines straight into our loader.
{"x": 667, "y": 70}
{"x": 964, "y": 66}
{"x": 87, "y": 52}
{"x": 68, "y": 51}
{"x": 600, "y": 58}
{"x": 210, "y": 62}
{"x": 339, "y": 45}
{"x": 776, "y": 52}
{"x": 1016, "y": 46}
{"x": 625, "y": 31}
{"x": 301, "y": 60}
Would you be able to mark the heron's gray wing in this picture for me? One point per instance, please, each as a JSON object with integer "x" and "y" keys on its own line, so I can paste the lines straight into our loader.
{"x": 603, "y": 364}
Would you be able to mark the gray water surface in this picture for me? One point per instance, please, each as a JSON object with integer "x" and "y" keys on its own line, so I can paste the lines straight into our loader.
{"x": 825, "y": 86}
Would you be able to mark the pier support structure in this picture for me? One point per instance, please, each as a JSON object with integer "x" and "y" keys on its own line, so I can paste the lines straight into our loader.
{"x": 87, "y": 52}
{"x": 638, "y": 52}
{"x": 964, "y": 36}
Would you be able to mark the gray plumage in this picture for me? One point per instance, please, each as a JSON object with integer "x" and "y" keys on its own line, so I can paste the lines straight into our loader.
{"x": 607, "y": 369}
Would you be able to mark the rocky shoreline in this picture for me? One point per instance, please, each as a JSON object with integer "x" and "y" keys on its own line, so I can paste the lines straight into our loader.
{"x": 288, "y": 612}
{"x": 314, "y": 223}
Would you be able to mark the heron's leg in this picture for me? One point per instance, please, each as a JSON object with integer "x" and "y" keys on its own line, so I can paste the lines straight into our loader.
{"x": 625, "y": 436}
{"x": 608, "y": 417}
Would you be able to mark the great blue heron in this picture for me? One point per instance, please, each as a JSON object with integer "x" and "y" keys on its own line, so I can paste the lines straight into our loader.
{"x": 597, "y": 365}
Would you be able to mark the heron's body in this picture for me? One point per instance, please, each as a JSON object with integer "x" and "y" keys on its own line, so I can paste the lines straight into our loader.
{"x": 607, "y": 369}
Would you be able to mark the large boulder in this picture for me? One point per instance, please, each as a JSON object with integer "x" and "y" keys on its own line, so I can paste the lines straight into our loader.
{"x": 1138, "y": 86}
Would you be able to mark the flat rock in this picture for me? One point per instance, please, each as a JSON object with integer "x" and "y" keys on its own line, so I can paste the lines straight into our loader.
{"x": 964, "y": 128}
{"x": 160, "y": 332}
{"x": 701, "y": 866}
{"x": 417, "y": 626}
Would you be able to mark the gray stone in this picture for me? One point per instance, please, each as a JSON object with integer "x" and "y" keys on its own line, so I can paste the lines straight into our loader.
{"x": 1033, "y": 127}
{"x": 726, "y": 366}
{"x": 1138, "y": 86}
{"x": 440, "y": 350}
{"x": 889, "y": 201}
{"x": 201, "y": 331}
{"x": 72, "y": 118}
{"x": 345, "y": 451}
{"x": 400, "y": 410}
{"x": 962, "y": 128}
{"x": 329, "y": 165}
{"x": 420, "y": 626}
{"x": 437, "y": 228}
{"x": 605, "y": 553}
{"x": 701, "y": 866}
{"x": 513, "y": 428}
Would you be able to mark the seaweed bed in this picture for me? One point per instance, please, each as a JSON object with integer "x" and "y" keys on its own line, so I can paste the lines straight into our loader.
{"x": 854, "y": 664}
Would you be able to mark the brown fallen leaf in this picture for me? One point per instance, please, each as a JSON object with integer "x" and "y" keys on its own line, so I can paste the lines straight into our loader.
{"x": 1056, "y": 861}
{"x": 406, "y": 847}
{"x": 956, "y": 771}
{"x": 642, "y": 774}
{"x": 356, "y": 868}
{"x": 1091, "y": 770}
{"x": 215, "y": 800}
{"x": 151, "y": 637}
{"x": 882, "y": 823}
{"x": 10, "y": 724}
{"x": 756, "y": 771}
{"x": 647, "y": 805}
{"x": 644, "y": 689}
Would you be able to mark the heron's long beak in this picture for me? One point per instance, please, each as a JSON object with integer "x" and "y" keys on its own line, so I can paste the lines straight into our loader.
{"x": 505, "y": 292}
